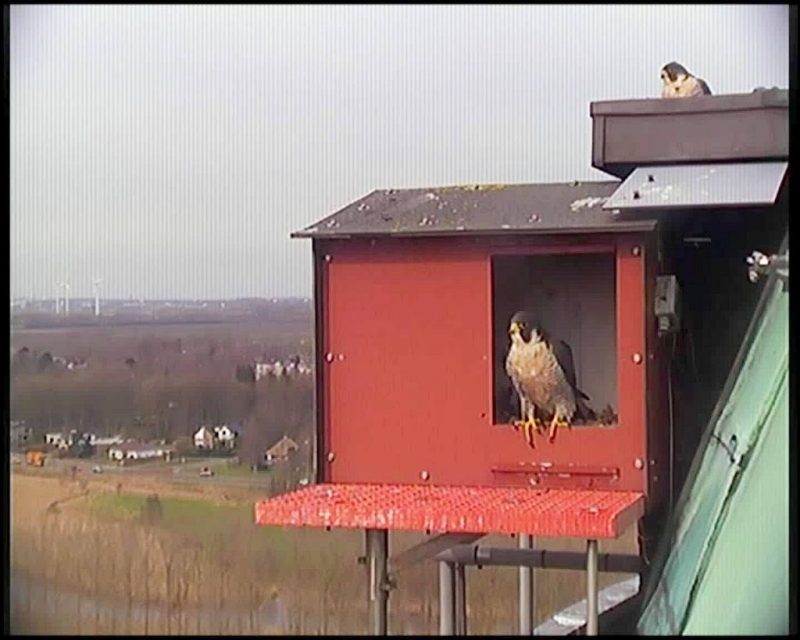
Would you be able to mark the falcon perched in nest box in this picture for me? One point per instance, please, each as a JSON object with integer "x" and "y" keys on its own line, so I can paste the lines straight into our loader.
{"x": 543, "y": 375}
{"x": 679, "y": 83}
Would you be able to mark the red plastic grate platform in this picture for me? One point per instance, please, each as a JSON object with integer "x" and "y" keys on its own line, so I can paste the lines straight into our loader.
{"x": 539, "y": 512}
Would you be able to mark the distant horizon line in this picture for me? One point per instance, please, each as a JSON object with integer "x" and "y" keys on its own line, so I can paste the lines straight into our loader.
{"x": 149, "y": 299}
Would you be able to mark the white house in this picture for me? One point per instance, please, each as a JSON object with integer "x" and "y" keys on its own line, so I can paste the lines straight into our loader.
{"x": 59, "y": 440}
{"x": 277, "y": 369}
{"x": 105, "y": 441}
{"x": 54, "y": 439}
{"x": 204, "y": 438}
{"x": 139, "y": 451}
{"x": 226, "y": 436}
{"x": 263, "y": 369}
{"x": 281, "y": 450}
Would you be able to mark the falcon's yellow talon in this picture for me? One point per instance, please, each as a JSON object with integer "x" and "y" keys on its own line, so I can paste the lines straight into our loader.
{"x": 558, "y": 422}
{"x": 527, "y": 428}
{"x": 528, "y": 433}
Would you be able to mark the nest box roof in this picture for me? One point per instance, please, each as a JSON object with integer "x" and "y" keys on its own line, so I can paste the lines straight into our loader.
{"x": 573, "y": 207}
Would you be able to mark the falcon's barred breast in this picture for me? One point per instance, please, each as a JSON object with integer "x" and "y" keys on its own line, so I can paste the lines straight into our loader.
{"x": 543, "y": 375}
{"x": 539, "y": 379}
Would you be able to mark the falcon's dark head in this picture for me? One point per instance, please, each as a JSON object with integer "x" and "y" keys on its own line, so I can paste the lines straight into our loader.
{"x": 671, "y": 71}
{"x": 524, "y": 324}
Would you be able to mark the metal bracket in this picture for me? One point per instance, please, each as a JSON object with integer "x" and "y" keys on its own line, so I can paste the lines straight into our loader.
{"x": 424, "y": 551}
{"x": 389, "y": 584}
{"x": 667, "y": 304}
{"x": 545, "y": 473}
{"x": 762, "y": 265}
{"x": 430, "y": 548}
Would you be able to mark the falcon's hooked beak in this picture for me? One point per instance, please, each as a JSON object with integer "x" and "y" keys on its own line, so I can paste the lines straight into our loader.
{"x": 520, "y": 329}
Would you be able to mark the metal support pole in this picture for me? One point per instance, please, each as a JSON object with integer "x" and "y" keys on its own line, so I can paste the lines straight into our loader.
{"x": 460, "y": 600}
{"x": 591, "y": 587}
{"x": 446, "y": 597}
{"x": 540, "y": 559}
{"x": 377, "y": 595}
{"x": 525, "y": 590}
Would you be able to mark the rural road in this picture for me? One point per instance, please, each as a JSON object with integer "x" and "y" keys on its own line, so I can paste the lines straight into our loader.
{"x": 186, "y": 474}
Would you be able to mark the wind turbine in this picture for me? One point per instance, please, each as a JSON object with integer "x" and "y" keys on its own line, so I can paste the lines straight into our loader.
{"x": 96, "y": 285}
{"x": 65, "y": 284}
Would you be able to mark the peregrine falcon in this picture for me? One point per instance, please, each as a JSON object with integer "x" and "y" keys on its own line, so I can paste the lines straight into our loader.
{"x": 679, "y": 83}
{"x": 543, "y": 375}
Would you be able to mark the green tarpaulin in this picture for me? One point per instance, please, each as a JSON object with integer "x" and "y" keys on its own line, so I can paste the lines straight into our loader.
{"x": 727, "y": 561}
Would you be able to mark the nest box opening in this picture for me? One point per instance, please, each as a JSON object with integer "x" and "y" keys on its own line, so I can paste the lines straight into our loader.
{"x": 573, "y": 297}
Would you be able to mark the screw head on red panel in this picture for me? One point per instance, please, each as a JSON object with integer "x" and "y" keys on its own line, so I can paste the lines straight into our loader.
{"x": 637, "y": 358}
{"x": 327, "y": 257}
{"x": 331, "y": 456}
{"x": 638, "y": 463}
{"x": 637, "y": 250}
{"x": 329, "y": 357}
{"x": 424, "y": 475}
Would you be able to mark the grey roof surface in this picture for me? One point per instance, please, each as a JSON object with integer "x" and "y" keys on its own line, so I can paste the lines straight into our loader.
{"x": 478, "y": 210}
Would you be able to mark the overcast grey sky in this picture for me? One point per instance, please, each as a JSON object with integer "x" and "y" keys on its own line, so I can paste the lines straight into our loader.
{"x": 171, "y": 150}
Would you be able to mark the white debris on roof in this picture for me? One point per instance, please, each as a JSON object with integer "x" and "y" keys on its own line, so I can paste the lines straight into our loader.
{"x": 586, "y": 202}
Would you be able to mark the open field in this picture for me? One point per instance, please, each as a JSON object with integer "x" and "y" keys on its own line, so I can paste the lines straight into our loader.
{"x": 97, "y": 553}
{"x": 204, "y": 567}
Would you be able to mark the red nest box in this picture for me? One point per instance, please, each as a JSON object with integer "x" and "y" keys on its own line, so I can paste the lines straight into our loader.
{"x": 415, "y": 288}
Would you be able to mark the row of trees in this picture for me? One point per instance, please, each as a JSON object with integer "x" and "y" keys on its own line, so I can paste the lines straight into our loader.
{"x": 163, "y": 383}
{"x": 160, "y": 407}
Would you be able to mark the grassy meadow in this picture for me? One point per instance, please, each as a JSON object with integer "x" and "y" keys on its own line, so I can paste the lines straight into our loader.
{"x": 203, "y": 567}
{"x": 100, "y": 555}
